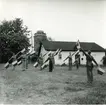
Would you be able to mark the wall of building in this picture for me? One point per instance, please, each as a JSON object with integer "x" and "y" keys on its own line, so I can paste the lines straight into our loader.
{"x": 97, "y": 55}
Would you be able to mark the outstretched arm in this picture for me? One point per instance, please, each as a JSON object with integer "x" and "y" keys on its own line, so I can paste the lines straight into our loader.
{"x": 102, "y": 59}
{"x": 66, "y": 58}
{"x": 46, "y": 60}
{"x": 84, "y": 52}
{"x": 45, "y": 54}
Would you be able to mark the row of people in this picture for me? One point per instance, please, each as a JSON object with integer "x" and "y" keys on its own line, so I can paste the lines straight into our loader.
{"x": 24, "y": 61}
{"x": 89, "y": 63}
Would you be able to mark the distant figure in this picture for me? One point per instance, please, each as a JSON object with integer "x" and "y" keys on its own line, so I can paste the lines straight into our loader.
{"x": 24, "y": 61}
{"x": 104, "y": 60}
{"x": 51, "y": 62}
{"x": 69, "y": 61}
{"x": 89, "y": 65}
{"x": 14, "y": 59}
{"x": 27, "y": 60}
{"x": 40, "y": 61}
{"x": 77, "y": 60}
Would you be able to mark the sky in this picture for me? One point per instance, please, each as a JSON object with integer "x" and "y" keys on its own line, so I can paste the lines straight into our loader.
{"x": 62, "y": 20}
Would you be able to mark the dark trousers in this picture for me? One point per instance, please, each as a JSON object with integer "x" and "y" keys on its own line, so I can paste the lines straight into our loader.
{"x": 24, "y": 64}
{"x": 50, "y": 67}
{"x": 89, "y": 74}
{"x": 77, "y": 64}
{"x": 70, "y": 66}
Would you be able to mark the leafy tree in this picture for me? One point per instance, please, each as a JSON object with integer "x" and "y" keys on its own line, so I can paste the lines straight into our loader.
{"x": 13, "y": 38}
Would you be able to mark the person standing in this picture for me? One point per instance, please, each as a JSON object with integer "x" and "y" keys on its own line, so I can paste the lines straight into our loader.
{"x": 40, "y": 61}
{"x": 27, "y": 60}
{"x": 77, "y": 60}
{"x": 13, "y": 59}
{"x": 89, "y": 65}
{"x": 24, "y": 61}
{"x": 103, "y": 60}
{"x": 51, "y": 62}
{"x": 69, "y": 61}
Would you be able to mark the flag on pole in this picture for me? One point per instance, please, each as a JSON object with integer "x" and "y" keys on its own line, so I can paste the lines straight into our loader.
{"x": 11, "y": 60}
{"x": 36, "y": 64}
{"x": 18, "y": 63}
{"x": 56, "y": 52}
{"x": 22, "y": 51}
{"x": 49, "y": 53}
{"x": 44, "y": 65}
{"x": 45, "y": 54}
{"x": 6, "y": 65}
{"x": 75, "y": 53}
{"x": 100, "y": 71}
{"x": 33, "y": 52}
{"x": 14, "y": 63}
{"x": 60, "y": 51}
{"x": 63, "y": 64}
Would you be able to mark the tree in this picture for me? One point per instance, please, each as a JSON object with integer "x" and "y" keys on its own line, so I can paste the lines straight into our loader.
{"x": 13, "y": 38}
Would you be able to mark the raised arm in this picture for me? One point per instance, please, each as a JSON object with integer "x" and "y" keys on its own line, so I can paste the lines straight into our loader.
{"x": 84, "y": 52}
{"x": 66, "y": 58}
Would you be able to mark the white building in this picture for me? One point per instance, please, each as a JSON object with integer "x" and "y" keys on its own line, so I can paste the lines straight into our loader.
{"x": 97, "y": 51}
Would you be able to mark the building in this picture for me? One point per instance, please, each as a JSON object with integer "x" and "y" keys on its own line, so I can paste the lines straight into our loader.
{"x": 97, "y": 51}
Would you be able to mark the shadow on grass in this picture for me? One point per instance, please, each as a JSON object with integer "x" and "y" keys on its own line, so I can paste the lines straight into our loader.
{"x": 73, "y": 89}
{"x": 97, "y": 95}
{"x": 53, "y": 88}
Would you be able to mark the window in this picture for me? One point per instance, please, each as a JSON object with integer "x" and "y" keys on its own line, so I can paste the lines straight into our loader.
{"x": 60, "y": 56}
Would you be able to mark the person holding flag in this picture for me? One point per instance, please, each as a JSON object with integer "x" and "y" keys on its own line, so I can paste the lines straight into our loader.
{"x": 14, "y": 60}
{"x": 24, "y": 57}
{"x": 69, "y": 61}
{"x": 77, "y": 60}
{"x": 40, "y": 61}
{"x": 77, "y": 55}
{"x": 89, "y": 65}
{"x": 51, "y": 58}
{"x": 51, "y": 62}
{"x": 103, "y": 60}
{"x": 77, "y": 45}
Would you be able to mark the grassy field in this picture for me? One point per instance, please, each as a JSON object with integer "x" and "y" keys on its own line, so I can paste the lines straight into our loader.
{"x": 58, "y": 87}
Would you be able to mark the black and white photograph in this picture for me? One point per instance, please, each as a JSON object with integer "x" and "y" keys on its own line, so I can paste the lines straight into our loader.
{"x": 52, "y": 52}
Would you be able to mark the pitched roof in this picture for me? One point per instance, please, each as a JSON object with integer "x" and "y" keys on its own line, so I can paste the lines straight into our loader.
{"x": 69, "y": 46}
